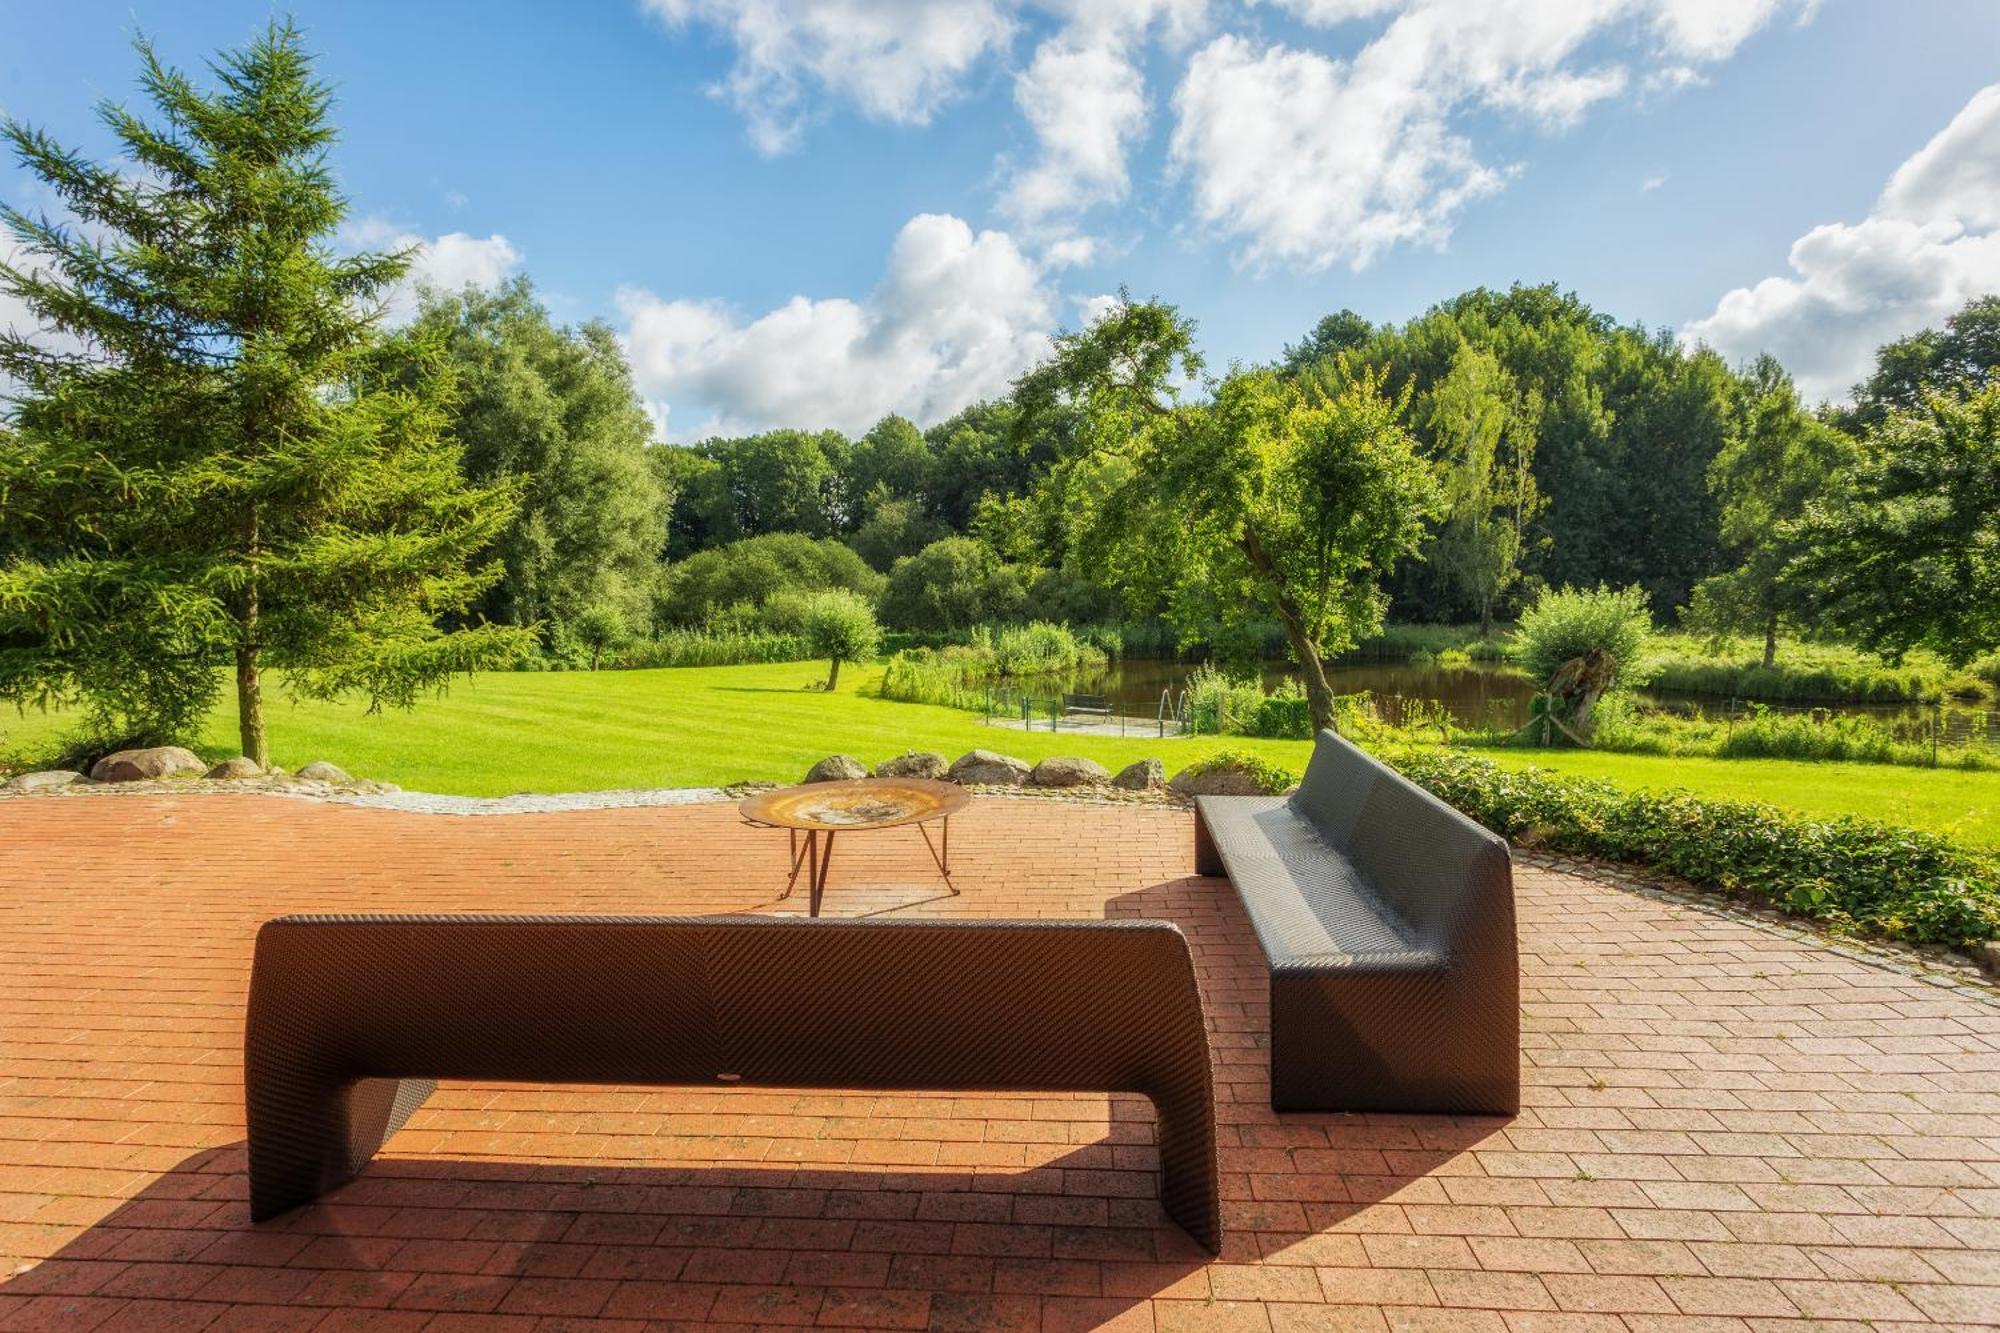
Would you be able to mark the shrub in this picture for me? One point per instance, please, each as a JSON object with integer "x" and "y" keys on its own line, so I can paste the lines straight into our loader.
{"x": 840, "y": 626}
{"x": 1804, "y": 672}
{"x": 1218, "y": 703}
{"x": 1283, "y": 714}
{"x": 1850, "y": 874}
{"x": 706, "y": 587}
{"x": 1040, "y": 648}
{"x": 1272, "y": 779}
{"x": 705, "y": 648}
{"x": 955, "y": 677}
{"x": 1569, "y": 623}
{"x": 952, "y": 584}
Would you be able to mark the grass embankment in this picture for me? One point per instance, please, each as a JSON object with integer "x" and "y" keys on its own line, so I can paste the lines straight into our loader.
{"x": 505, "y": 732}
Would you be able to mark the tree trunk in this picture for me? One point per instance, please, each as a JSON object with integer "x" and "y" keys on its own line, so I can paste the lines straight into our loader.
{"x": 250, "y": 703}
{"x": 1485, "y": 617}
{"x": 833, "y": 676}
{"x": 1770, "y": 642}
{"x": 1319, "y": 694}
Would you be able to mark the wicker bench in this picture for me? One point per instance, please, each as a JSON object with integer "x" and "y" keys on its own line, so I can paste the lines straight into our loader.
{"x": 353, "y": 1018}
{"x": 1387, "y": 919}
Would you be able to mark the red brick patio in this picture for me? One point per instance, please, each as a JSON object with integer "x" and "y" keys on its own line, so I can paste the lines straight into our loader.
{"x": 1725, "y": 1129}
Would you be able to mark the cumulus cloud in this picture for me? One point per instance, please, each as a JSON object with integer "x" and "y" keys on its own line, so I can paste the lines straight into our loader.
{"x": 1312, "y": 159}
{"x": 448, "y": 262}
{"x": 1930, "y": 244}
{"x": 895, "y": 60}
{"x": 956, "y": 315}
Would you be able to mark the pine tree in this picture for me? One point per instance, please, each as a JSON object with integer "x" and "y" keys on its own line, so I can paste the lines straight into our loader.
{"x": 218, "y": 456}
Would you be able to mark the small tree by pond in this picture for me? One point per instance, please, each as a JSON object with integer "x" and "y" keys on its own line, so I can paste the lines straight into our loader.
{"x": 840, "y": 626}
{"x": 1271, "y": 498}
{"x": 1581, "y": 644}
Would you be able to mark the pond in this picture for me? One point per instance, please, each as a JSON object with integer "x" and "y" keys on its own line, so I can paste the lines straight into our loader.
{"x": 1476, "y": 696}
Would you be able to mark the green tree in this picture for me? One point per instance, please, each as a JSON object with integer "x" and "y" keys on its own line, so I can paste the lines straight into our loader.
{"x": 896, "y": 526}
{"x": 840, "y": 626}
{"x": 893, "y": 459}
{"x": 952, "y": 584}
{"x": 1905, "y": 553}
{"x": 1272, "y": 497}
{"x": 1483, "y": 440}
{"x": 1779, "y": 460}
{"x": 553, "y": 410}
{"x": 242, "y": 467}
{"x": 1342, "y": 331}
{"x": 780, "y": 481}
{"x": 1957, "y": 360}
{"x": 747, "y": 573}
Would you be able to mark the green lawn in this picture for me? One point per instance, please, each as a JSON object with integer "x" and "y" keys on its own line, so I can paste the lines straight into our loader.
{"x": 505, "y": 732}
{"x": 508, "y": 732}
{"x": 1961, "y": 805}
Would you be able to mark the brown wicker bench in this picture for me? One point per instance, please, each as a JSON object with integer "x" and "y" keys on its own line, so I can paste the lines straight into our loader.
{"x": 353, "y": 1018}
{"x": 1387, "y": 918}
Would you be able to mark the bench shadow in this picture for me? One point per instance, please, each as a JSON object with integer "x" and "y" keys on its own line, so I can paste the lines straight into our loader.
{"x": 413, "y": 1237}
{"x": 1296, "y": 1179}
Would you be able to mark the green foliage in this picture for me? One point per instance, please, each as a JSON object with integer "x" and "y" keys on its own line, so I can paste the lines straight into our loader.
{"x": 1906, "y": 552}
{"x": 895, "y": 527}
{"x": 1846, "y": 873}
{"x": 1283, "y": 714}
{"x": 962, "y": 675}
{"x": 708, "y": 648}
{"x": 952, "y": 584}
{"x": 1218, "y": 703}
{"x": 839, "y": 625}
{"x": 1482, "y": 432}
{"x": 1268, "y": 499}
{"x": 1037, "y": 648}
{"x": 1955, "y": 361}
{"x": 1777, "y": 461}
{"x": 1271, "y": 779}
{"x": 244, "y": 467}
{"x": 1568, "y": 623}
{"x": 552, "y": 411}
{"x": 1805, "y": 672}
{"x": 708, "y": 583}
{"x": 780, "y": 481}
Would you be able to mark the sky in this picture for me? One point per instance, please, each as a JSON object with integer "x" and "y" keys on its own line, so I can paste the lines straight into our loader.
{"x": 815, "y": 212}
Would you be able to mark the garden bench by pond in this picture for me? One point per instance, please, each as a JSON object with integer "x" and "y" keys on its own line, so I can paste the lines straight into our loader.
{"x": 353, "y": 1018}
{"x": 1387, "y": 920}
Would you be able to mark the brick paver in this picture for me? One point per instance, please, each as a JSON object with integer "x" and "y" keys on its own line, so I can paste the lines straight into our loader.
{"x": 1724, "y": 1129}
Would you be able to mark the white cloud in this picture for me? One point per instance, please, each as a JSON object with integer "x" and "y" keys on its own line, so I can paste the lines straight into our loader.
{"x": 448, "y": 262}
{"x": 955, "y": 317}
{"x": 895, "y": 60}
{"x": 1310, "y": 159}
{"x": 1653, "y": 182}
{"x": 1085, "y": 100}
{"x": 1931, "y": 243}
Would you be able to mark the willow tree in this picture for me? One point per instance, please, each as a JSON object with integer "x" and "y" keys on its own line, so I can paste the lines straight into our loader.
{"x": 1266, "y": 497}
{"x": 218, "y": 457}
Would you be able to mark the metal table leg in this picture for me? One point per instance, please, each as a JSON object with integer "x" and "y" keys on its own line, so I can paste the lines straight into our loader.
{"x": 818, "y": 867}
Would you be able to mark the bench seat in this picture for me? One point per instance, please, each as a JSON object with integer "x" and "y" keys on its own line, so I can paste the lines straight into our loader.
{"x": 1387, "y": 921}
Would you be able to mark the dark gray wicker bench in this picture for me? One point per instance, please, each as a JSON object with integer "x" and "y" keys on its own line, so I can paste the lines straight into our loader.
{"x": 1387, "y": 918}
{"x": 353, "y": 1018}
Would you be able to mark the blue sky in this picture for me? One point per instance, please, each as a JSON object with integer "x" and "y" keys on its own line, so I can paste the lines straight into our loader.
{"x": 810, "y": 212}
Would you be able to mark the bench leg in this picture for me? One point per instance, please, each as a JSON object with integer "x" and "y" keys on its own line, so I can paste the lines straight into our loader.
{"x": 1207, "y": 861}
{"x": 307, "y": 1137}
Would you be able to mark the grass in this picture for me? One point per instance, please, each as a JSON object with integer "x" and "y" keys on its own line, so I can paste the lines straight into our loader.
{"x": 505, "y": 732}
{"x": 1963, "y": 806}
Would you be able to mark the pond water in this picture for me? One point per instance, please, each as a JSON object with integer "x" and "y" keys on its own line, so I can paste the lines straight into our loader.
{"x": 1476, "y": 696}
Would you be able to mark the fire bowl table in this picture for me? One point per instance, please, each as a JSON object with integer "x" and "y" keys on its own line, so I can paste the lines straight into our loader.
{"x": 821, "y": 809}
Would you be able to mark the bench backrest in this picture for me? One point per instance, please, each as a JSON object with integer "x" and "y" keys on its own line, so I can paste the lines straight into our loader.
{"x": 345, "y": 1011}
{"x": 1439, "y": 872}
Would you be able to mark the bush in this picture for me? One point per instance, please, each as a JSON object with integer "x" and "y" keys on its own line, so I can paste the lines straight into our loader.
{"x": 708, "y": 586}
{"x": 704, "y": 648}
{"x": 1039, "y": 649}
{"x": 840, "y": 626}
{"x": 1804, "y": 672}
{"x": 1218, "y": 703}
{"x": 951, "y": 585}
{"x": 1272, "y": 779}
{"x": 1569, "y": 623}
{"x": 1283, "y": 714}
{"x": 1850, "y": 874}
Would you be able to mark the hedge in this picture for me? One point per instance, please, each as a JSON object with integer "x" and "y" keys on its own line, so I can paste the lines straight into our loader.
{"x": 1850, "y": 874}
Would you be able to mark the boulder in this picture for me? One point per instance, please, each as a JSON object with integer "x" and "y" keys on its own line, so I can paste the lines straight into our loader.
{"x": 49, "y": 779}
{"x": 321, "y": 771}
{"x": 837, "y": 768}
{"x": 1146, "y": 775}
{"x": 914, "y": 764}
{"x": 984, "y": 768}
{"x": 234, "y": 767}
{"x": 1064, "y": 770}
{"x": 160, "y": 761}
{"x": 1988, "y": 957}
